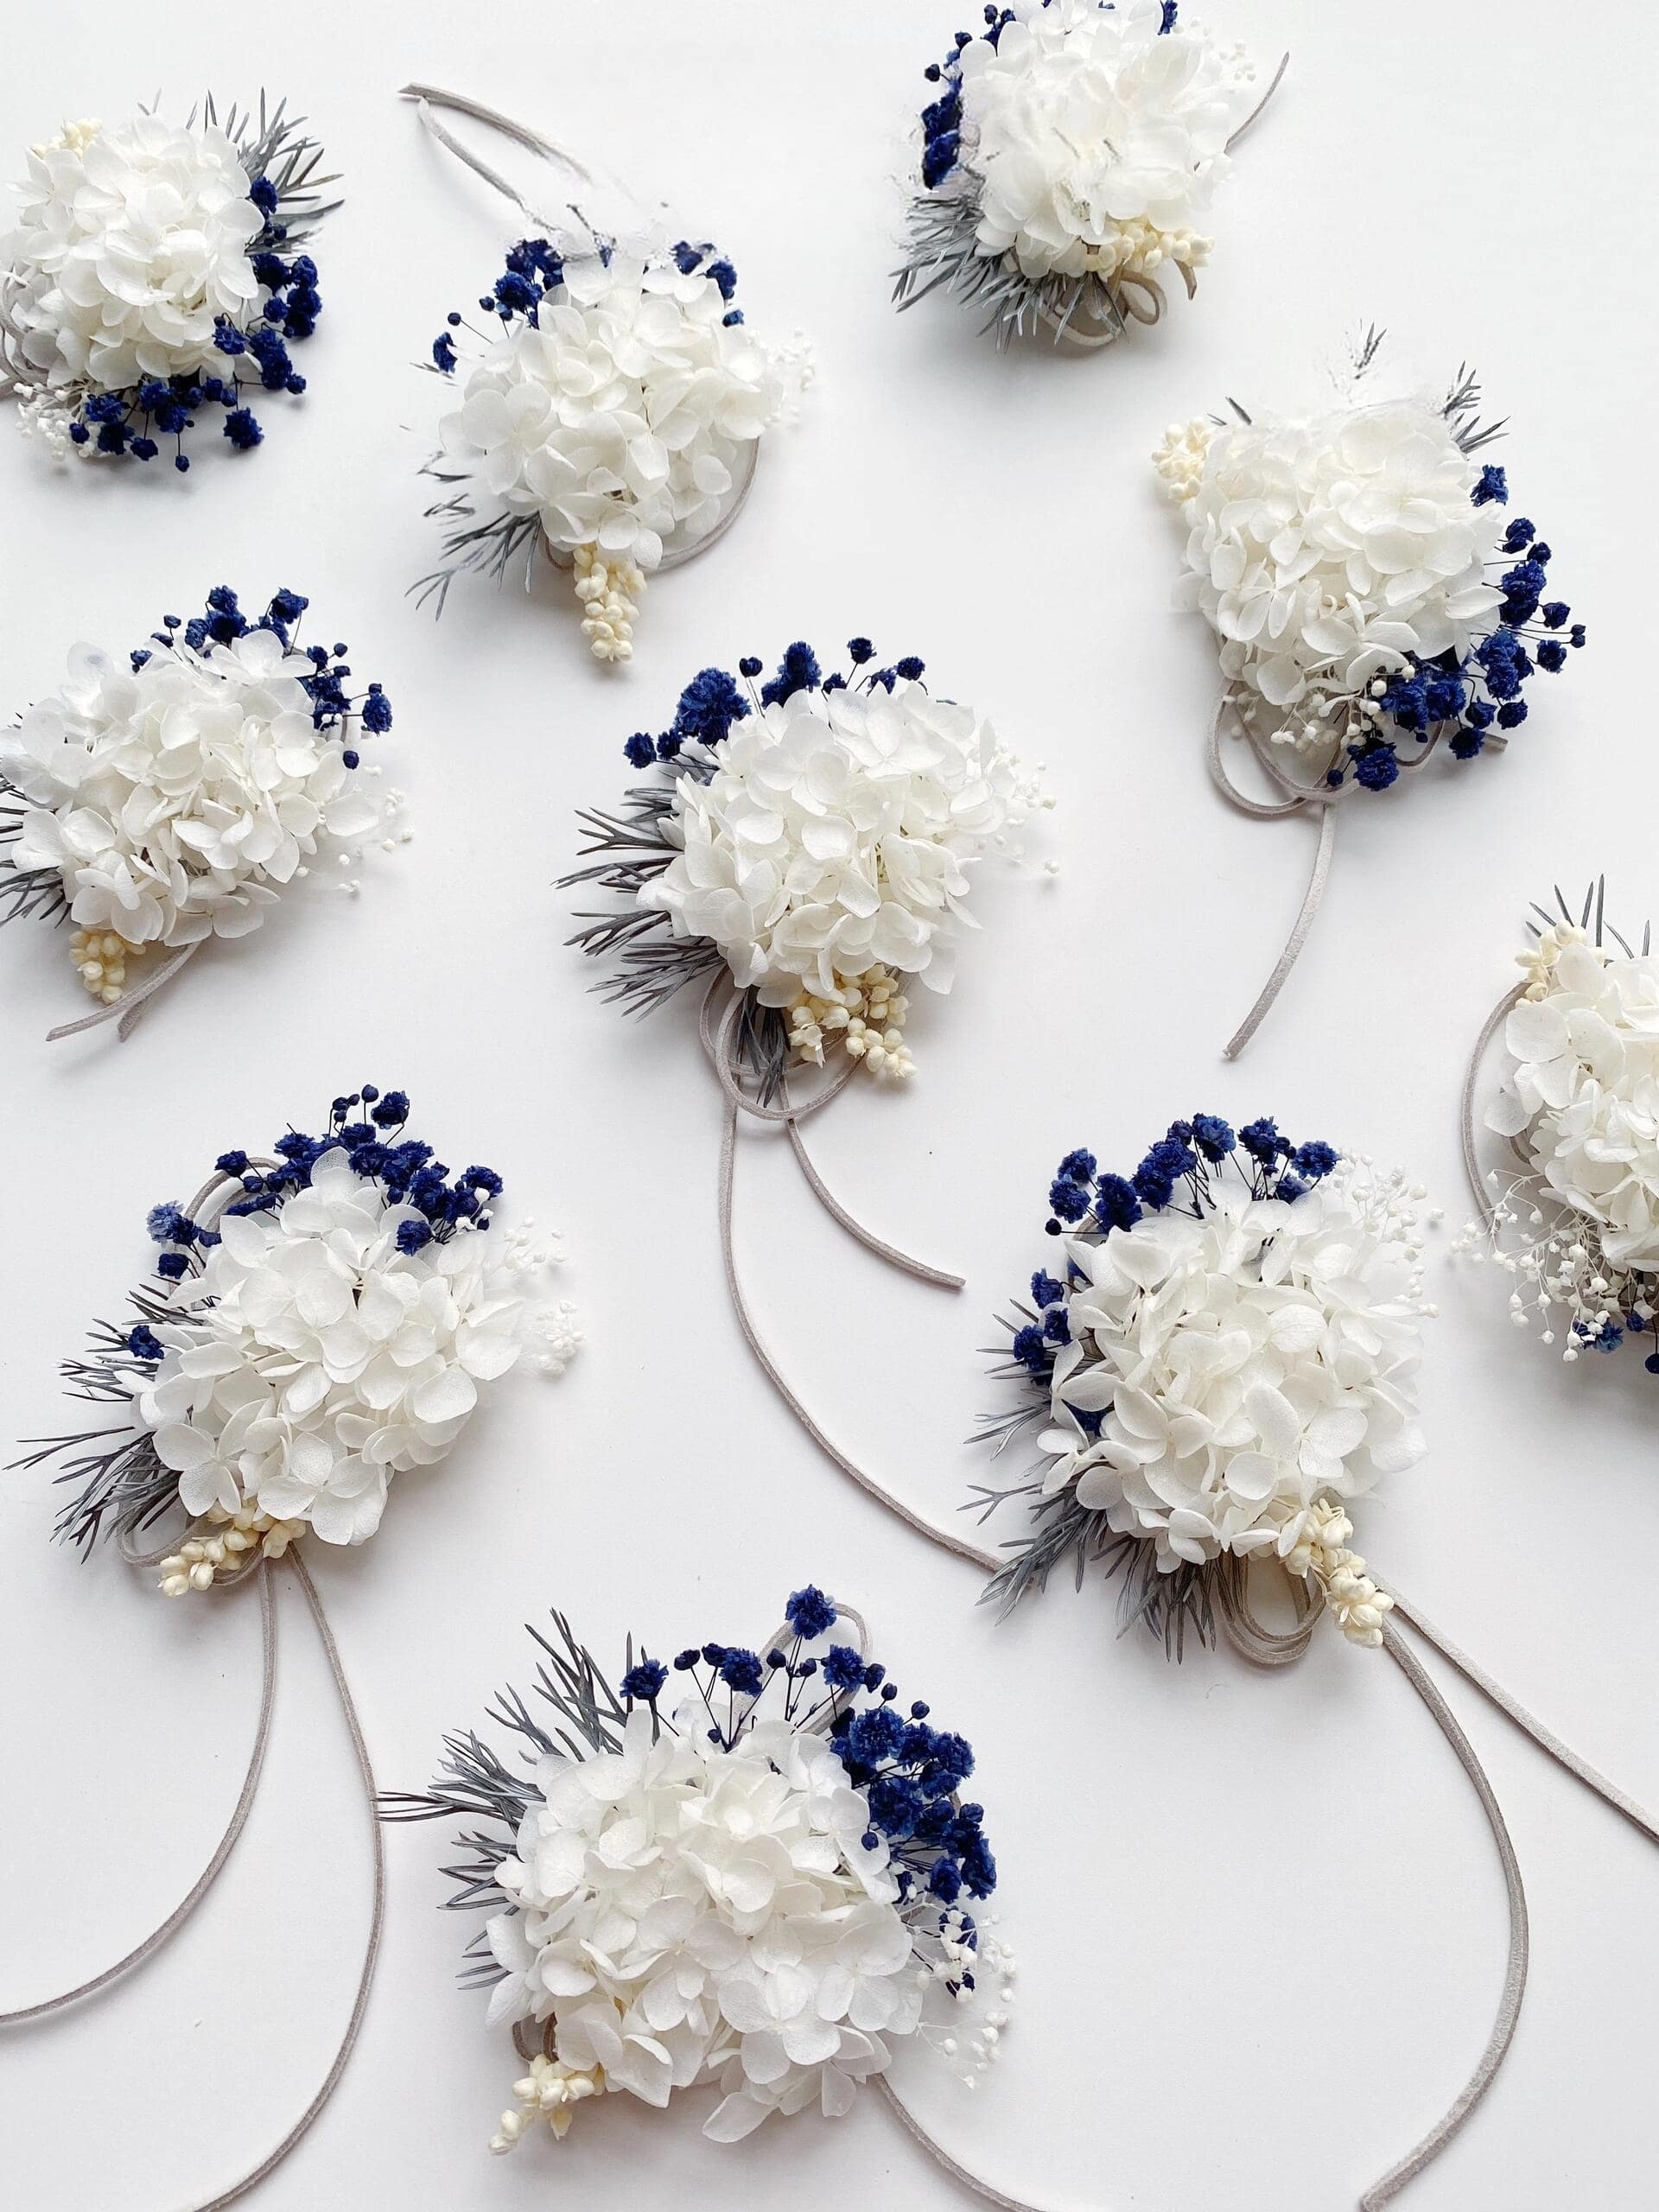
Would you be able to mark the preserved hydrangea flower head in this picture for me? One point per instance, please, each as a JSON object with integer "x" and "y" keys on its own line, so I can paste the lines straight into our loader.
{"x": 748, "y": 1869}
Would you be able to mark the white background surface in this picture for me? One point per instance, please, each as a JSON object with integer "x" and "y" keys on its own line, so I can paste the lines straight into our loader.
{"x": 1260, "y": 1922}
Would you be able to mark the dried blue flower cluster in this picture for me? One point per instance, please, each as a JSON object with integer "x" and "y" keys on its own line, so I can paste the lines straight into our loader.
{"x": 909, "y": 1771}
{"x": 1483, "y": 691}
{"x": 942, "y": 119}
{"x": 132, "y": 422}
{"x": 223, "y": 621}
{"x": 535, "y": 271}
{"x": 365, "y": 1126}
{"x": 1178, "y": 1171}
{"x": 713, "y": 700}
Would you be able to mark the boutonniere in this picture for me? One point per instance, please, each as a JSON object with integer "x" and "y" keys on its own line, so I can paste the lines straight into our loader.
{"x": 1373, "y": 600}
{"x": 802, "y": 849}
{"x": 1218, "y": 1363}
{"x": 319, "y": 1321}
{"x": 1068, "y": 158}
{"x": 611, "y": 402}
{"x": 1216, "y": 1366}
{"x": 1221, "y": 1359}
{"x": 172, "y": 796}
{"x": 1573, "y": 1218}
{"x": 752, "y": 1870}
{"x": 156, "y": 273}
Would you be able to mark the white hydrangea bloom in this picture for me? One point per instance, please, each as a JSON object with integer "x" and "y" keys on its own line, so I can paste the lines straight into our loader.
{"x": 311, "y": 1359}
{"x": 1246, "y": 1365}
{"x": 835, "y": 835}
{"x": 175, "y": 801}
{"x": 1324, "y": 550}
{"x": 688, "y": 1913}
{"x": 624, "y": 420}
{"x": 1582, "y": 1100}
{"x": 1094, "y": 144}
{"x": 130, "y": 243}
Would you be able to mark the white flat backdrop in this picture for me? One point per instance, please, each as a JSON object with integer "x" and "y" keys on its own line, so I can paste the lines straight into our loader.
{"x": 1261, "y": 1920}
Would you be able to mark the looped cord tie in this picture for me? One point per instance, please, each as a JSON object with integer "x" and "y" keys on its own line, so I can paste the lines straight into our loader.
{"x": 719, "y": 1042}
{"x": 176, "y": 1919}
{"x": 205, "y": 1207}
{"x": 126, "y": 1010}
{"x": 1264, "y": 1647}
{"x": 1494, "y": 1021}
{"x": 1299, "y": 799}
{"x": 1270, "y": 1648}
{"x": 209, "y": 1873}
{"x": 427, "y": 98}
{"x": 1255, "y": 112}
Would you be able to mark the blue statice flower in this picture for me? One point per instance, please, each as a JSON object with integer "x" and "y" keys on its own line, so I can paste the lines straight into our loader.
{"x": 224, "y": 620}
{"x": 1214, "y": 1137}
{"x": 1117, "y": 1205}
{"x": 741, "y": 1671}
{"x": 798, "y": 670}
{"x": 169, "y": 1224}
{"x": 708, "y": 706}
{"x": 1031, "y": 1349}
{"x": 1377, "y": 765}
{"x": 643, "y": 1683}
{"x": 843, "y": 1667}
{"x": 942, "y": 118}
{"x": 910, "y": 1772}
{"x": 144, "y": 1344}
{"x": 1312, "y": 1162}
{"x": 127, "y": 422}
{"x": 363, "y": 1124}
{"x": 713, "y": 701}
{"x": 1068, "y": 1198}
{"x": 810, "y": 1613}
{"x": 1463, "y": 699}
